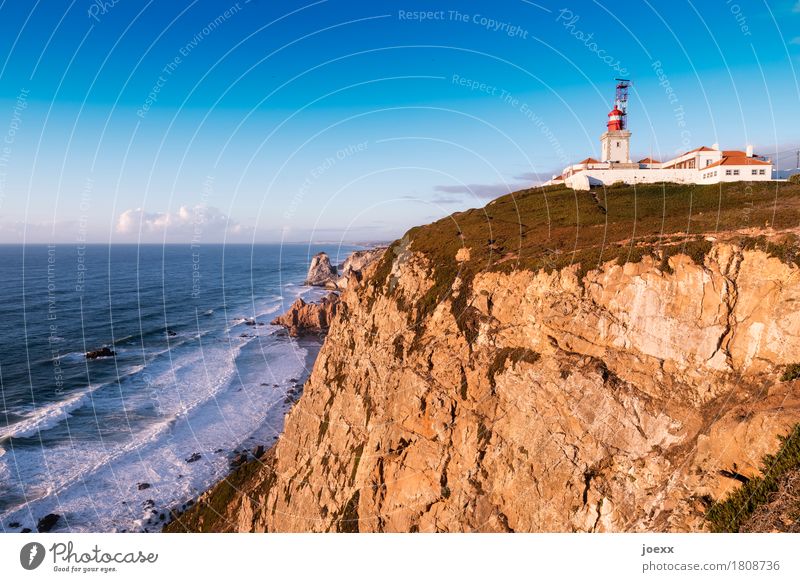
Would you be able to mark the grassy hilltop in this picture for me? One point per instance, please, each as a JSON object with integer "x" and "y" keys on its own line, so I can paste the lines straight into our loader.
{"x": 554, "y": 227}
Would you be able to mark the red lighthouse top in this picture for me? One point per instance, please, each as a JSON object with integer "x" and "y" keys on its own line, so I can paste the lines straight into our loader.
{"x": 615, "y": 120}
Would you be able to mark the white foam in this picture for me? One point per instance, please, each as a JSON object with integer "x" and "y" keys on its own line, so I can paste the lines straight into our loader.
{"x": 219, "y": 412}
{"x": 46, "y": 416}
{"x": 211, "y": 394}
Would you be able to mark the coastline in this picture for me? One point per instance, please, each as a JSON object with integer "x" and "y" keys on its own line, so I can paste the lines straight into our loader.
{"x": 246, "y": 461}
{"x": 434, "y": 427}
{"x": 173, "y": 408}
{"x": 243, "y": 460}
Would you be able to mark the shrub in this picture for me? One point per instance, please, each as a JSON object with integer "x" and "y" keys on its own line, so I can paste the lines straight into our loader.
{"x": 794, "y": 179}
{"x": 730, "y": 514}
{"x": 792, "y": 372}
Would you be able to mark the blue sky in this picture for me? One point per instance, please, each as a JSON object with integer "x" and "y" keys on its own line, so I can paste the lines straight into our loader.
{"x": 264, "y": 121}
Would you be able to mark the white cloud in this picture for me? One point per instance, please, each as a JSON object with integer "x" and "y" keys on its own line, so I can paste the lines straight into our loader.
{"x": 207, "y": 223}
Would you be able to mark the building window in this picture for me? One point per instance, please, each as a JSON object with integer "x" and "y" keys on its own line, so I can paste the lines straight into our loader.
{"x": 708, "y": 162}
{"x": 736, "y": 172}
{"x": 761, "y": 172}
{"x": 727, "y": 172}
{"x": 754, "y": 172}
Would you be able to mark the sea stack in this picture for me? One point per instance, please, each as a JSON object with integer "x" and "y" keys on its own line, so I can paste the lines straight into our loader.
{"x": 321, "y": 272}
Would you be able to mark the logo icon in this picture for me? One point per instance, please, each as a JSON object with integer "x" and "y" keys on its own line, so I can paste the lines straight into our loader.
{"x": 31, "y": 555}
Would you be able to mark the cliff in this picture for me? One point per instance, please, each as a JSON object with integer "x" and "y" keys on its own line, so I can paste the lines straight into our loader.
{"x": 355, "y": 264}
{"x": 321, "y": 273}
{"x": 553, "y": 362}
{"x": 309, "y": 318}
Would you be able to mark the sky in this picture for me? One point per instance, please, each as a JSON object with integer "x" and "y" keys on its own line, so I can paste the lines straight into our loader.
{"x": 205, "y": 121}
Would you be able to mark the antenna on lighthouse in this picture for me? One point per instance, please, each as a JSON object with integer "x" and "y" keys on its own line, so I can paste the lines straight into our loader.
{"x": 621, "y": 99}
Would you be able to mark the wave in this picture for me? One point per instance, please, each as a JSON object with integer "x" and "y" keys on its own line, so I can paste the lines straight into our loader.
{"x": 228, "y": 412}
{"x": 47, "y": 416}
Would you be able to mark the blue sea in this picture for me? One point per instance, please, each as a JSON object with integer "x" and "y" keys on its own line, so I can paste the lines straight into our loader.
{"x": 198, "y": 373}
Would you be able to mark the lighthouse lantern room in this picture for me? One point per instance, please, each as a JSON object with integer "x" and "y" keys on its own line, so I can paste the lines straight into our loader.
{"x": 616, "y": 141}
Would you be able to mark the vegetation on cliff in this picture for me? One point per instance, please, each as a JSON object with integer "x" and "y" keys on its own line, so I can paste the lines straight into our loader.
{"x": 791, "y": 372}
{"x": 626, "y": 404}
{"x": 730, "y": 514}
{"x": 555, "y": 227}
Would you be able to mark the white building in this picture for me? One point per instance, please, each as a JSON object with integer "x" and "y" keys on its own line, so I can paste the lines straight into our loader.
{"x": 702, "y": 165}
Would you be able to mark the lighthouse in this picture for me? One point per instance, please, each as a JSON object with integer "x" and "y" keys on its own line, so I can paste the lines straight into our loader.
{"x": 702, "y": 165}
{"x": 615, "y": 143}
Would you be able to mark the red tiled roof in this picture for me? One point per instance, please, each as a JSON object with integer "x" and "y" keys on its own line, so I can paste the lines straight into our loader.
{"x": 648, "y": 161}
{"x": 734, "y": 154}
{"x": 737, "y": 161}
{"x": 589, "y": 161}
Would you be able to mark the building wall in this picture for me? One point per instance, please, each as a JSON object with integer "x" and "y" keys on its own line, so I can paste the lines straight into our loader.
{"x": 629, "y": 176}
{"x": 695, "y": 159}
{"x": 737, "y": 174}
{"x": 584, "y": 179}
{"x": 615, "y": 146}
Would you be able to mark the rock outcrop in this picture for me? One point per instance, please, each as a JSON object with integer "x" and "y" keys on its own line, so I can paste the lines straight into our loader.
{"x": 104, "y": 352}
{"x": 621, "y": 400}
{"x": 321, "y": 272}
{"x": 47, "y": 523}
{"x": 355, "y": 264}
{"x": 309, "y": 318}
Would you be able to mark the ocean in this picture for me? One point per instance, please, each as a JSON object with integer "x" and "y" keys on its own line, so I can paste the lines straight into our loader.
{"x": 114, "y": 443}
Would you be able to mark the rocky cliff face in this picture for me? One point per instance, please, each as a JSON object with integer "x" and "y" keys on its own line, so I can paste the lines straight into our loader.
{"x": 309, "y": 318}
{"x": 321, "y": 272}
{"x": 354, "y": 265}
{"x": 541, "y": 402}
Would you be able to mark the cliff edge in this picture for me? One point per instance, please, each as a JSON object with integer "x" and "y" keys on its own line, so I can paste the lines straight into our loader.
{"x": 556, "y": 361}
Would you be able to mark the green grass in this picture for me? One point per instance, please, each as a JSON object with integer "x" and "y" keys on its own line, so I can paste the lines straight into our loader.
{"x": 729, "y": 515}
{"x": 792, "y": 372}
{"x": 552, "y": 228}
